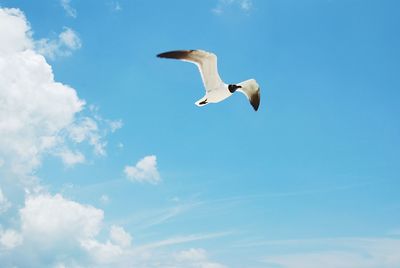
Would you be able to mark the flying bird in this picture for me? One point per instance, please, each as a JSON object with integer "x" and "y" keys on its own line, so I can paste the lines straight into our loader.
{"x": 216, "y": 89}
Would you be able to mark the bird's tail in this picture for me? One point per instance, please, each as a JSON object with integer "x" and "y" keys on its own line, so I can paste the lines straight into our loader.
{"x": 202, "y": 101}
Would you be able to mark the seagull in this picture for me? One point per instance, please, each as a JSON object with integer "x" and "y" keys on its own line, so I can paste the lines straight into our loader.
{"x": 216, "y": 89}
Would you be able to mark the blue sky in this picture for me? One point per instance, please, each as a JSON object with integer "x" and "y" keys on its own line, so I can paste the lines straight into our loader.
{"x": 105, "y": 161}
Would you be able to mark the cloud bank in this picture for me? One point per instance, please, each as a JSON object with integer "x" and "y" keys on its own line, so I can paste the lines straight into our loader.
{"x": 40, "y": 117}
{"x": 35, "y": 108}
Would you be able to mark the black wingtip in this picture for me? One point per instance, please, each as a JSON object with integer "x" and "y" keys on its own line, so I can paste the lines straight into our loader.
{"x": 175, "y": 54}
{"x": 255, "y": 100}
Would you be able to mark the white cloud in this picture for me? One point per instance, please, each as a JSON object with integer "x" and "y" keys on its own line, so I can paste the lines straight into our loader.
{"x": 52, "y": 225}
{"x": 144, "y": 171}
{"x": 39, "y": 115}
{"x": 120, "y": 237}
{"x": 192, "y": 254}
{"x": 87, "y": 129}
{"x": 69, "y": 157}
{"x": 244, "y": 5}
{"x": 4, "y": 203}
{"x": 28, "y": 93}
{"x": 82, "y": 130}
{"x": 67, "y": 42}
{"x": 70, "y": 39}
{"x": 50, "y": 219}
{"x": 117, "y": 253}
{"x": 102, "y": 253}
{"x": 115, "y": 125}
{"x": 10, "y": 239}
{"x": 195, "y": 258}
{"x": 66, "y": 4}
{"x": 14, "y": 30}
{"x": 56, "y": 231}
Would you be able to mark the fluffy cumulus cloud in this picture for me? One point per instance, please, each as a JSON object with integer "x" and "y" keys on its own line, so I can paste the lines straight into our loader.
{"x": 38, "y": 115}
{"x": 244, "y": 5}
{"x": 58, "y": 232}
{"x": 54, "y": 219}
{"x": 9, "y": 239}
{"x": 14, "y": 31}
{"x": 144, "y": 171}
{"x": 56, "y": 225}
{"x": 34, "y": 108}
{"x": 120, "y": 237}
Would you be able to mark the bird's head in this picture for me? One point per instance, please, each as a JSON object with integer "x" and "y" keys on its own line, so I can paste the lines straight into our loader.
{"x": 232, "y": 88}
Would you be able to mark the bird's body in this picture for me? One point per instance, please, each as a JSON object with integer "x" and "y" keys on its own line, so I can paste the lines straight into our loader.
{"x": 215, "y": 95}
{"x": 216, "y": 89}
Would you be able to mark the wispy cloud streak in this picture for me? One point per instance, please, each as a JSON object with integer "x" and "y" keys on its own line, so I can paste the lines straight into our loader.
{"x": 183, "y": 239}
{"x": 244, "y": 5}
{"x": 66, "y": 4}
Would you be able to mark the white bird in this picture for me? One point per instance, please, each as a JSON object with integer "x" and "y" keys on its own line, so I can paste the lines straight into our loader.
{"x": 216, "y": 89}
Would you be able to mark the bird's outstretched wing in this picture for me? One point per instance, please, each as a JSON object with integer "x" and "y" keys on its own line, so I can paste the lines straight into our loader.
{"x": 205, "y": 61}
{"x": 251, "y": 89}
